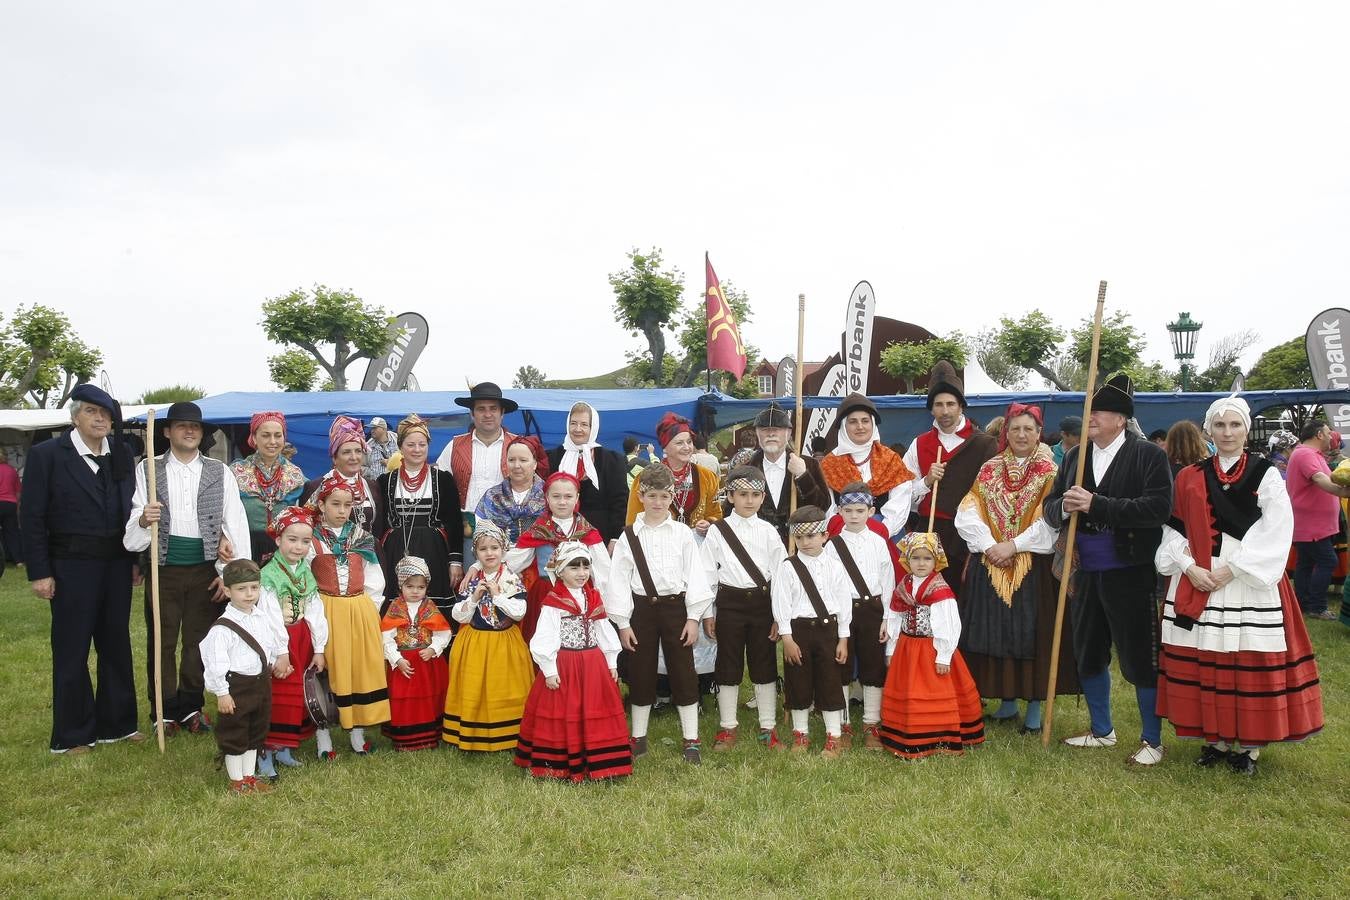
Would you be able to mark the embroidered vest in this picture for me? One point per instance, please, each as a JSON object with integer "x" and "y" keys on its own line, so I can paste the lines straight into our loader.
{"x": 210, "y": 505}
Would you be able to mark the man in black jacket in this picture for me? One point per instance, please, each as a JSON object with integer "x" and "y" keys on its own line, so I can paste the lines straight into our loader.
{"x": 782, "y": 468}
{"x": 1125, "y": 498}
{"x": 77, "y": 492}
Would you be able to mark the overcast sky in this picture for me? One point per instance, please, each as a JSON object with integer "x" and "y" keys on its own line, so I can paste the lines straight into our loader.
{"x": 164, "y": 168}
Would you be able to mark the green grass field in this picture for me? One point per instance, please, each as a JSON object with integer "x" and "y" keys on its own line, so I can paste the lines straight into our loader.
{"x": 1008, "y": 820}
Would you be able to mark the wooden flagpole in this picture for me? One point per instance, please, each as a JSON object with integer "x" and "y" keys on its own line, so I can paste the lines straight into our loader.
{"x": 152, "y": 491}
{"x": 1073, "y": 521}
{"x": 797, "y": 376}
{"x": 932, "y": 500}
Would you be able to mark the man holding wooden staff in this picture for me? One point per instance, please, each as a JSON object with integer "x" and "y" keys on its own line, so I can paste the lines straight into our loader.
{"x": 203, "y": 525}
{"x": 782, "y": 468}
{"x": 76, "y": 494}
{"x": 1125, "y": 499}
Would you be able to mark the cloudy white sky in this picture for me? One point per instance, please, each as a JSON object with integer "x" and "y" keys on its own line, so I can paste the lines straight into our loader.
{"x": 166, "y": 167}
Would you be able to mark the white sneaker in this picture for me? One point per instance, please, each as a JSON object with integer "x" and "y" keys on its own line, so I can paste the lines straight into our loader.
{"x": 1088, "y": 740}
{"x": 1146, "y": 755}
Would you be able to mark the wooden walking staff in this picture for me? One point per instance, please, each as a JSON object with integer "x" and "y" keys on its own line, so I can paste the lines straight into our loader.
{"x": 797, "y": 376}
{"x": 1073, "y": 521}
{"x": 152, "y": 491}
{"x": 932, "y": 501}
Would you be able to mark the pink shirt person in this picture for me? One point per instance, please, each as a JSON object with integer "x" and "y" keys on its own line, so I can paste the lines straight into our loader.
{"x": 1316, "y": 513}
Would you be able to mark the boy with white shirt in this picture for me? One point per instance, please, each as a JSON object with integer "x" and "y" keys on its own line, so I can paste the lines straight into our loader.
{"x": 656, "y": 593}
{"x": 203, "y": 526}
{"x": 740, "y": 553}
{"x": 812, "y": 610}
{"x": 237, "y": 654}
{"x": 866, "y": 559}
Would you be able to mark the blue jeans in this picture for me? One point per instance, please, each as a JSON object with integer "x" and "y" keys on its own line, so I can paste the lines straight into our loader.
{"x": 1312, "y": 573}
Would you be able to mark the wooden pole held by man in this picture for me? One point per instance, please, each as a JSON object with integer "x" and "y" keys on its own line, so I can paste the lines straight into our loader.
{"x": 152, "y": 492}
{"x": 1083, "y": 450}
{"x": 798, "y": 373}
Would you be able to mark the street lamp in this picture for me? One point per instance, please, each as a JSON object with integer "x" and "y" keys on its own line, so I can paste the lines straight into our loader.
{"x": 1183, "y": 332}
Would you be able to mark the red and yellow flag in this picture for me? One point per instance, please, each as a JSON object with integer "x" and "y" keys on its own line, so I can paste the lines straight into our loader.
{"x": 725, "y": 350}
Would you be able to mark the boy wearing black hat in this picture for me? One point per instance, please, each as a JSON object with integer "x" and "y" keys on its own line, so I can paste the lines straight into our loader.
{"x": 1125, "y": 499}
{"x": 240, "y": 653}
{"x": 203, "y": 526}
{"x": 782, "y": 469}
{"x": 947, "y": 457}
{"x": 741, "y": 553}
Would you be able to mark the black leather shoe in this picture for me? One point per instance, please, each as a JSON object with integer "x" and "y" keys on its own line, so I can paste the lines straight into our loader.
{"x": 1210, "y": 756}
{"x": 1026, "y": 730}
{"x": 1242, "y": 763}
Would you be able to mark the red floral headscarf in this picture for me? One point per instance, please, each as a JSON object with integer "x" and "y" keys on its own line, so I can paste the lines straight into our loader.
{"x": 261, "y": 418}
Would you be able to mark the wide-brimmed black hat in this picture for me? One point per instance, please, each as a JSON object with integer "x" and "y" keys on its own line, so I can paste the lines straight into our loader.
{"x": 943, "y": 380}
{"x": 184, "y": 411}
{"x": 856, "y": 401}
{"x": 773, "y": 416}
{"x": 1116, "y": 396}
{"x": 486, "y": 390}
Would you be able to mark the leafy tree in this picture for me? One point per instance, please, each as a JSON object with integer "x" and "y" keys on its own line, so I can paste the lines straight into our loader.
{"x": 1147, "y": 378}
{"x": 293, "y": 370}
{"x": 1031, "y": 342}
{"x": 1120, "y": 347}
{"x": 529, "y": 377}
{"x": 995, "y": 362}
{"x": 1282, "y": 367}
{"x": 910, "y": 361}
{"x": 173, "y": 393}
{"x": 42, "y": 359}
{"x": 646, "y": 300}
{"x": 339, "y": 318}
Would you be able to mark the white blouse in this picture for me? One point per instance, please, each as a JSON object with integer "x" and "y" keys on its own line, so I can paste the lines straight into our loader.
{"x": 547, "y": 639}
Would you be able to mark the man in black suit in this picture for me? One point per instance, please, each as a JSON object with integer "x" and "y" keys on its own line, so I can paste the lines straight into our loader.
{"x": 77, "y": 492}
{"x": 1125, "y": 499}
{"x": 782, "y": 468}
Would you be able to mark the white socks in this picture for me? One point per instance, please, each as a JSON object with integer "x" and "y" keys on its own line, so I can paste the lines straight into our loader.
{"x": 800, "y": 721}
{"x": 640, "y": 715}
{"x": 324, "y": 740}
{"x": 250, "y": 763}
{"x": 234, "y": 766}
{"x": 727, "y": 696}
{"x": 358, "y": 739}
{"x": 848, "y": 695}
{"x": 766, "y": 702}
{"x": 871, "y": 705}
{"x": 689, "y": 721}
{"x": 833, "y": 718}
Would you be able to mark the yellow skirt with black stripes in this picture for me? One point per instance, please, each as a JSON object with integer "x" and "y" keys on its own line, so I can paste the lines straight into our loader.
{"x": 490, "y": 676}
{"x": 355, "y": 655}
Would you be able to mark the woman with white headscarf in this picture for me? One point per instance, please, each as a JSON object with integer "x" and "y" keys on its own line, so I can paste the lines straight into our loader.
{"x": 1236, "y": 668}
{"x": 604, "y": 481}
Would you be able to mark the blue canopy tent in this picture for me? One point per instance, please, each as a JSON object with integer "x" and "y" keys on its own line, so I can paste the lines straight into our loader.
{"x": 542, "y": 412}
{"x": 904, "y": 416}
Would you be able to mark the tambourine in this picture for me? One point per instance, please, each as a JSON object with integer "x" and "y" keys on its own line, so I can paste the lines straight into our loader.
{"x": 319, "y": 700}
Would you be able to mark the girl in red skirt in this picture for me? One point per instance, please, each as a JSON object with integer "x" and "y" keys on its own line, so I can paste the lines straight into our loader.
{"x": 930, "y": 703}
{"x": 574, "y": 727}
{"x": 415, "y": 637}
{"x": 290, "y": 593}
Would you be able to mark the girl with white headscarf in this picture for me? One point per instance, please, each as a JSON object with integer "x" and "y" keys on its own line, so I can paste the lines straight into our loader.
{"x": 602, "y": 473}
{"x": 1236, "y": 669}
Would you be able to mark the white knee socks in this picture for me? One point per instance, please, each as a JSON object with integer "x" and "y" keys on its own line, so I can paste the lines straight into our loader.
{"x": 640, "y": 715}
{"x": 358, "y": 739}
{"x": 727, "y": 696}
{"x": 324, "y": 740}
{"x": 250, "y": 763}
{"x": 766, "y": 703}
{"x": 833, "y": 720}
{"x": 871, "y": 705}
{"x": 689, "y": 721}
{"x": 799, "y": 720}
{"x": 234, "y": 766}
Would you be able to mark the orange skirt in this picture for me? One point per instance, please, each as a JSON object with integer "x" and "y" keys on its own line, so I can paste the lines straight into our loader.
{"x": 922, "y": 712}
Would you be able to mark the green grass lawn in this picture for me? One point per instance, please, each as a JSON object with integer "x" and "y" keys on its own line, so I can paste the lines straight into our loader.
{"x": 1008, "y": 820}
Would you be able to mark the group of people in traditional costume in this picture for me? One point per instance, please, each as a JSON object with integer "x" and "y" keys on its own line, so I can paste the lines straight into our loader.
{"x": 496, "y": 598}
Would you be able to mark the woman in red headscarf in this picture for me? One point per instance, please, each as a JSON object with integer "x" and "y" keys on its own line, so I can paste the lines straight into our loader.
{"x": 268, "y": 481}
{"x": 347, "y": 447}
{"x": 1007, "y": 601}
{"x": 695, "y": 502}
